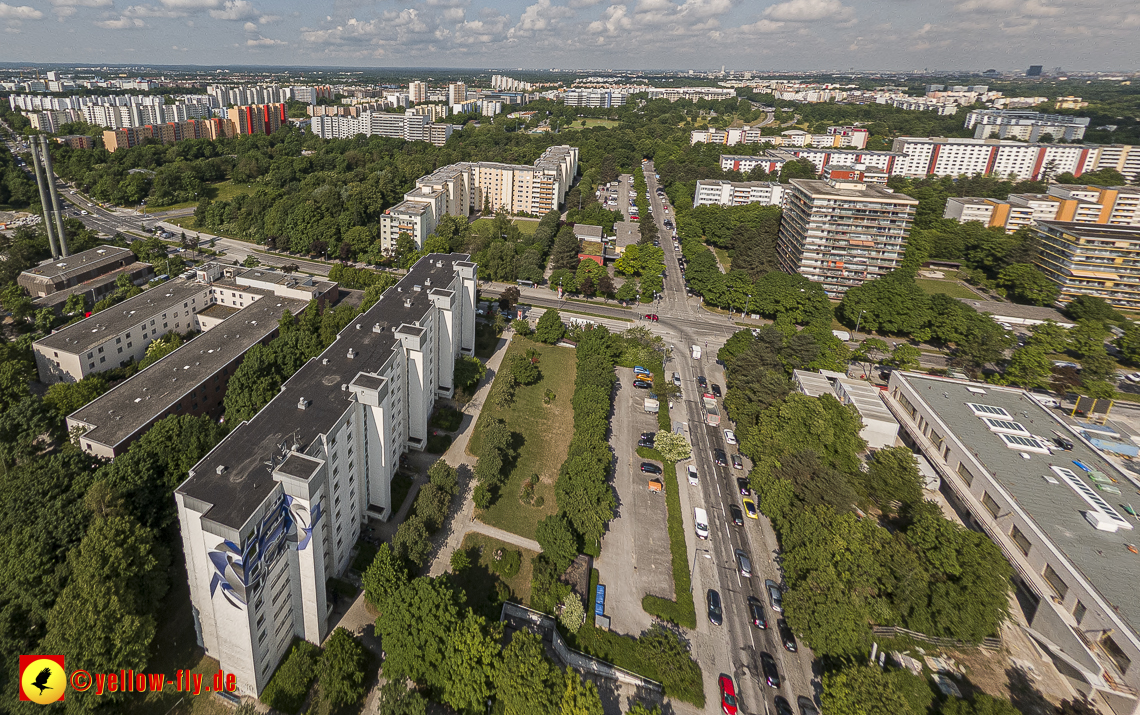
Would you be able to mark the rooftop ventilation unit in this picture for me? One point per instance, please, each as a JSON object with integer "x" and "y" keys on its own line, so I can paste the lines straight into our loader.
{"x": 303, "y": 404}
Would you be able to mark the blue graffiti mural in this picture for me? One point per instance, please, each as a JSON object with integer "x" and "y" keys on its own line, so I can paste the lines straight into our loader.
{"x": 239, "y": 573}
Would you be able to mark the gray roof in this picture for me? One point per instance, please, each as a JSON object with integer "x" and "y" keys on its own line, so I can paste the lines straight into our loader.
{"x": 245, "y": 483}
{"x": 410, "y": 207}
{"x": 60, "y": 296}
{"x": 581, "y": 230}
{"x": 108, "y": 323}
{"x": 628, "y": 233}
{"x": 1016, "y": 310}
{"x": 869, "y": 192}
{"x": 131, "y": 406}
{"x": 1101, "y": 557}
{"x": 60, "y": 269}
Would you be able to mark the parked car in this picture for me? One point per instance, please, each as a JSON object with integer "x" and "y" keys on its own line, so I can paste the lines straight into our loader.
{"x": 768, "y": 665}
{"x": 702, "y": 382}
{"x": 716, "y": 613}
{"x": 736, "y": 462}
{"x": 639, "y": 370}
{"x": 736, "y": 515}
{"x": 730, "y": 436}
{"x": 650, "y": 468}
{"x": 646, "y": 441}
{"x": 786, "y": 636}
{"x": 744, "y": 563}
{"x": 727, "y": 694}
{"x": 715, "y": 390}
{"x": 676, "y": 379}
{"x": 651, "y": 316}
{"x": 775, "y": 596}
{"x": 744, "y": 487}
{"x": 693, "y": 476}
{"x": 720, "y": 457}
{"x": 750, "y": 508}
{"x": 807, "y": 707}
{"x": 756, "y": 613}
{"x": 782, "y": 706}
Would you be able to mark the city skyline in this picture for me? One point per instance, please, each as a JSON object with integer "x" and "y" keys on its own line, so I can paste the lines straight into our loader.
{"x": 637, "y": 34}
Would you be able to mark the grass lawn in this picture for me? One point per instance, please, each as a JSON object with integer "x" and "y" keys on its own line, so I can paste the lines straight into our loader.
{"x": 593, "y": 122}
{"x": 526, "y": 226}
{"x": 478, "y": 580}
{"x": 950, "y": 288}
{"x": 220, "y": 191}
{"x": 545, "y": 430}
{"x": 722, "y": 256}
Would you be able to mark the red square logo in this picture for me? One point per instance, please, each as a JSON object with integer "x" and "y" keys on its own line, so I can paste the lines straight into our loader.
{"x": 42, "y": 678}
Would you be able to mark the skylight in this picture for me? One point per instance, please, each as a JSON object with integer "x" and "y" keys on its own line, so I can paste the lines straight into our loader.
{"x": 1092, "y": 498}
{"x": 980, "y": 410}
{"x": 997, "y": 425}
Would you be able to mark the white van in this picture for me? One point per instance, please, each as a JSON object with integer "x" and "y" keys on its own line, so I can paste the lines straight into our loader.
{"x": 693, "y": 476}
{"x": 701, "y": 519}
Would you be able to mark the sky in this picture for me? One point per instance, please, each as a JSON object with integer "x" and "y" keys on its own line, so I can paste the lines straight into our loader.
{"x": 761, "y": 35}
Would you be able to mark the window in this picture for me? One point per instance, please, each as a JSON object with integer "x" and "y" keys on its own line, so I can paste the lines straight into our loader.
{"x": 1114, "y": 652}
{"x": 260, "y": 620}
{"x": 102, "y": 360}
{"x": 936, "y": 440}
{"x": 90, "y": 355}
{"x": 1005, "y": 426}
{"x": 991, "y": 506}
{"x": 1019, "y": 539}
{"x": 984, "y": 410}
{"x": 129, "y": 345}
{"x": 1079, "y": 611}
{"x": 261, "y": 638}
{"x": 118, "y": 341}
{"x": 1055, "y": 581}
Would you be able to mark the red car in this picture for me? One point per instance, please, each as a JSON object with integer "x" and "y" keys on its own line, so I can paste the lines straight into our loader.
{"x": 727, "y": 694}
{"x": 652, "y": 316}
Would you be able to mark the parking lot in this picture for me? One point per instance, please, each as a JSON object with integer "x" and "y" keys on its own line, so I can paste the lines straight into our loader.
{"x": 635, "y": 558}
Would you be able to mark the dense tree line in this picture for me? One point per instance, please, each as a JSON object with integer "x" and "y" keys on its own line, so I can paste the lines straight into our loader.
{"x": 17, "y": 190}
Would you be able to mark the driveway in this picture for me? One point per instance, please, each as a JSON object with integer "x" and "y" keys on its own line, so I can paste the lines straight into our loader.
{"x": 635, "y": 558}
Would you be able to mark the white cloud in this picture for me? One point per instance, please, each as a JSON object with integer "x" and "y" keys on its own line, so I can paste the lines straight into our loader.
{"x": 811, "y": 10}
{"x": 19, "y": 12}
{"x": 540, "y": 17}
{"x": 267, "y": 19}
{"x": 583, "y": 3}
{"x": 249, "y": 27}
{"x": 191, "y": 4}
{"x": 123, "y": 23}
{"x": 264, "y": 42}
{"x": 614, "y": 19}
{"x": 81, "y": 3}
{"x": 150, "y": 11}
{"x": 761, "y": 27}
{"x": 236, "y": 10}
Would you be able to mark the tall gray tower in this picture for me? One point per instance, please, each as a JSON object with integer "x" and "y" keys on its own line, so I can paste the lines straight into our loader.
{"x": 50, "y": 177}
{"x": 44, "y": 197}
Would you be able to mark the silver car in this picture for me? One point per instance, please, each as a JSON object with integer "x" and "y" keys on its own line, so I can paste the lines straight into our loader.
{"x": 744, "y": 563}
{"x": 775, "y": 596}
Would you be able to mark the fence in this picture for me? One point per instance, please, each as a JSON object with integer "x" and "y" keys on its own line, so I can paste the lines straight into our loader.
{"x": 990, "y": 644}
{"x": 571, "y": 657}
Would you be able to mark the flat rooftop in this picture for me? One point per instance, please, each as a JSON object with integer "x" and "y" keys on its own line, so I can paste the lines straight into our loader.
{"x": 1016, "y": 310}
{"x": 117, "y": 415}
{"x": 848, "y": 190}
{"x": 60, "y": 269}
{"x": 1097, "y": 230}
{"x": 86, "y": 334}
{"x": 60, "y": 296}
{"x": 245, "y": 483}
{"x": 415, "y": 208}
{"x": 628, "y": 233}
{"x": 1101, "y": 557}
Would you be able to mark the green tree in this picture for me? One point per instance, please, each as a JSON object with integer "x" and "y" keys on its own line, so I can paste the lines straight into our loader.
{"x": 67, "y": 397}
{"x": 822, "y": 610}
{"x": 76, "y": 304}
{"x": 396, "y": 699}
{"x": 524, "y": 370}
{"x": 444, "y": 477}
{"x": 565, "y": 251}
{"x": 1028, "y": 367}
{"x": 549, "y": 329}
{"x": 1049, "y": 337}
{"x": 415, "y": 626}
{"x": 800, "y": 423}
{"x": 863, "y": 690}
{"x": 1091, "y": 308}
{"x": 470, "y": 658}
{"x": 341, "y": 670}
{"x": 384, "y": 577}
{"x": 14, "y": 378}
{"x": 905, "y": 356}
{"x": 412, "y": 542}
{"x": 892, "y": 475}
{"x": 468, "y": 371}
{"x": 672, "y": 446}
{"x": 526, "y": 681}
{"x": 580, "y": 697}
{"x": 628, "y": 291}
{"x": 557, "y": 539}
{"x": 1024, "y": 283}
{"x": 573, "y": 615}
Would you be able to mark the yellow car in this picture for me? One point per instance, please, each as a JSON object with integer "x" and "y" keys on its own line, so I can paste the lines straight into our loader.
{"x": 750, "y": 508}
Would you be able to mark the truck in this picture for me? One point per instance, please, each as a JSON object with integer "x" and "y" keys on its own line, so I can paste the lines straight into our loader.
{"x": 696, "y": 352}
{"x": 652, "y": 406}
{"x": 712, "y": 414}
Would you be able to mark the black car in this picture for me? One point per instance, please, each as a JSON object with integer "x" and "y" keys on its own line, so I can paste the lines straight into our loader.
{"x": 702, "y": 382}
{"x": 736, "y": 462}
{"x": 647, "y": 439}
{"x": 742, "y": 484}
{"x": 782, "y": 706}
{"x": 720, "y": 457}
{"x": 650, "y": 468}
{"x": 756, "y": 613}
{"x": 716, "y": 613}
{"x": 736, "y": 514}
{"x": 768, "y": 665}
{"x": 716, "y": 390}
{"x": 786, "y": 636}
{"x": 807, "y": 707}
{"x": 642, "y": 384}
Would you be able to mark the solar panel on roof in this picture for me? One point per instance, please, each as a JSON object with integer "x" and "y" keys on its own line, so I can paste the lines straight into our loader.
{"x": 1091, "y": 497}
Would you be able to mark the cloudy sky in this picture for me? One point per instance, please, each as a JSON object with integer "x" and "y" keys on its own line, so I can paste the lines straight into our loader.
{"x": 699, "y": 34}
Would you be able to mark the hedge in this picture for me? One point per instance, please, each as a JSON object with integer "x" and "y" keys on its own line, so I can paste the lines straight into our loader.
{"x": 290, "y": 684}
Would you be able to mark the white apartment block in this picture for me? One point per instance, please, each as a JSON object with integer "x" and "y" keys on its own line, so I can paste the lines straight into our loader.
{"x": 954, "y": 157}
{"x": 120, "y": 334}
{"x": 836, "y": 137}
{"x": 603, "y": 98}
{"x": 773, "y": 160}
{"x": 1112, "y": 206}
{"x": 714, "y": 192}
{"x": 843, "y": 233}
{"x": 1026, "y": 126}
{"x": 508, "y": 84}
{"x": 273, "y": 511}
{"x": 692, "y": 93}
{"x": 412, "y": 125}
{"x": 459, "y": 189}
{"x": 417, "y": 91}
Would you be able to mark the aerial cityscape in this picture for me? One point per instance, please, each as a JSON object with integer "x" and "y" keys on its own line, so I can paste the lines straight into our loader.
{"x": 570, "y": 357}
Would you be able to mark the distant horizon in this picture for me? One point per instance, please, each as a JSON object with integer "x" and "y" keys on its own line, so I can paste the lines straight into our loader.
{"x": 670, "y": 35}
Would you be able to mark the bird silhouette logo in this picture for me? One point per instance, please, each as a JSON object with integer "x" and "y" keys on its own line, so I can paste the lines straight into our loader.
{"x": 42, "y": 678}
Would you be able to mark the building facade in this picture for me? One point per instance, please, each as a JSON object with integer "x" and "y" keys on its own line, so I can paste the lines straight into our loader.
{"x": 68, "y": 272}
{"x": 413, "y": 125}
{"x": 1091, "y": 259}
{"x": 1114, "y": 206}
{"x": 843, "y": 233}
{"x": 1003, "y": 473}
{"x": 272, "y": 512}
{"x": 1026, "y": 126}
{"x": 836, "y": 137}
{"x": 716, "y": 192}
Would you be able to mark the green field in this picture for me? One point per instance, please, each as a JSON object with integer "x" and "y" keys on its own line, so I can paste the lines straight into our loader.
{"x": 950, "y": 288}
{"x": 723, "y": 257}
{"x": 220, "y": 191}
{"x": 593, "y": 122}
{"x": 478, "y": 582}
{"x": 526, "y": 226}
{"x": 545, "y": 432}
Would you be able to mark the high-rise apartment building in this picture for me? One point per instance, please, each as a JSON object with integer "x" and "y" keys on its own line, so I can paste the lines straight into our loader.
{"x": 1091, "y": 259}
{"x": 456, "y": 93}
{"x": 843, "y": 233}
{"x": 412, "y": 125}
{"x": 716, "y": 192}
{"x": 257, "y": 119}
{"x": 1026, "y": 126}
{"x": 1113, "y": 206}
{"x": 417, "y": 91}
{"x": 274, "y": 510}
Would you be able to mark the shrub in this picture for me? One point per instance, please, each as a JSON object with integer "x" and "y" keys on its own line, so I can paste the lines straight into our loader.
{"x": 506, "y": 562}
{"x": 437, "y": 443}
{"x": 573, "y": 615}
{"x": 290, "y": 683}
{"x": 460, "y": 560}
{"x": 447, "y": 419}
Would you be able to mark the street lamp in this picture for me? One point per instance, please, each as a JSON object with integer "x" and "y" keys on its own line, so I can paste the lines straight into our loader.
{"x": 859, "y": 322}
